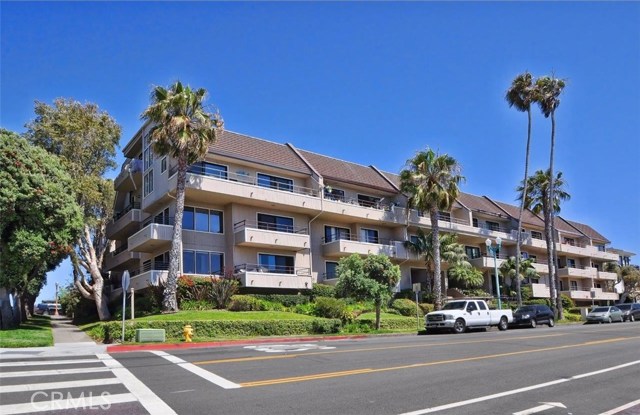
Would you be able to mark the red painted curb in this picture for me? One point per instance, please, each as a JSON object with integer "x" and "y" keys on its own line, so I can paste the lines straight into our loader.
{"x": 120, "y": 348}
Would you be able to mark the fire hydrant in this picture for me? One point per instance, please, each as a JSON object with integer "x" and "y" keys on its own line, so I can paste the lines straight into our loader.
{"x": 187, "y": 331}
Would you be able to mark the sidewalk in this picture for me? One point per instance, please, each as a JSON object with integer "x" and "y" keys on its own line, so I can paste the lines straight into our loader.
{"x": 68, "y": 340}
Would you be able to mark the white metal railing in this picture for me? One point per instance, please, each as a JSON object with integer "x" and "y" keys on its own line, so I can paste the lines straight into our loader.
{"x": 273, "y": 269}
{"x": 268, "y": 226}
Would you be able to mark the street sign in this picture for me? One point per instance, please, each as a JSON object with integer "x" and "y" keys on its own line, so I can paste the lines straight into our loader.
{"x": 416, "y": 287}
{"x": 126, "y": 280}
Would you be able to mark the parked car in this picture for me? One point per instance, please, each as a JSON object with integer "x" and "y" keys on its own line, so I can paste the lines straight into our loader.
{"x": 51, "y": 308}
{"x": 532, "y": 315}
{"x": 41, "y": 309}
{"x": 606, "y": 314}
{"x": 460, "y": 315}
{"x": 630, "y": 312}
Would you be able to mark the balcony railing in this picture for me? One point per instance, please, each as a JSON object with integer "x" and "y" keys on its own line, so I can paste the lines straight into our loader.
{"x": 493, "y": 228}
{"x": 268, "y": 226}
{"x": 378, "y": 205}
{"x": 355, "y": 238}
{"x": 129, "y": 207}
{"x": 273, "y": 269}
{"x": 121, "y": 249}
{"x": 163, "y": 220}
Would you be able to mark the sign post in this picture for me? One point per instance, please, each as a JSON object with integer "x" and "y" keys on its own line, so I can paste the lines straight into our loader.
{"x": 416, "y": 289}
{"x": 126, "y": 280}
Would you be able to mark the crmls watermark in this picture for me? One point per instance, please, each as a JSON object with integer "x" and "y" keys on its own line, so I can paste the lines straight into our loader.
{"x": 57, "y": 400}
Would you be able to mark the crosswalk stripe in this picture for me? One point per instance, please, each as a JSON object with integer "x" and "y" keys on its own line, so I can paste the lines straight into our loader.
{"x": 48, "y": 362}
{"x": 151, "y": 402}
{"x": 82, "y": 402}
{"x": 197, "y": 370}
{"x": 30, "y": 387}
{"x": 54, "y": 372}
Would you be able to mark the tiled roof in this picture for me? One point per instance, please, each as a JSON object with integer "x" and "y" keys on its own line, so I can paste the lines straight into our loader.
{"x": 561, "y": 225}
{"x": 480, "y": 204}
{"x": 527, "y": 216}
{"x": 259, "y": 151}
{"x": 345, "y": 171}
{"x": 589, "y": 231}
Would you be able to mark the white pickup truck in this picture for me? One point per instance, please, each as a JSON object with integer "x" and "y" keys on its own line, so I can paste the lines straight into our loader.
{"x": 460, "y": 315}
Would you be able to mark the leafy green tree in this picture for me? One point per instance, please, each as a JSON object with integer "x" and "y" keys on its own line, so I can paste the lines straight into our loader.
{"x": 184, "y": 130}
{"x": 526, "y": 269}
{"x": 537, "y": 200}
{"x": 467, "y": 276}
{"x": 371, "y": 278}
{"x": 39, "y": 220}
{"x": 521, "y": 95}
{"x": 548, "y": 91}
{"x": 85, "y": 139}
{"x": 630, "y": 278}
{"x": 431, "y": 182}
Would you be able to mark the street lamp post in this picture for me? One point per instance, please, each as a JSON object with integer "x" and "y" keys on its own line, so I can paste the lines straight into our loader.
{"x": 495, "y": 250}
{"x": 55, "y": 311}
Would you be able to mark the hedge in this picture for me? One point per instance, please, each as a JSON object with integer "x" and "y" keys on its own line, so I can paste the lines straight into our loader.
{"x": 287, "y": 300}
{"x": 110, "y": 331}
{"x": 391, "y": 324}
{"x": 404, "y": 306}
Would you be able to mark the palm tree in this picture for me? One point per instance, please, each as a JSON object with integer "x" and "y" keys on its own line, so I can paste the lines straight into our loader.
{"x": 537, "y": 200}
{"x": 509, "y": 269}
{"x": 431, "y": 183}
{"x": 548, "y": 90}
{"x": 184, "y": 130}
{"x": 520, "y": 95}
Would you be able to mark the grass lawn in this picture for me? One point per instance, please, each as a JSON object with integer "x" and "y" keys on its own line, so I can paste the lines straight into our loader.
{"x": 226, "y": 315}
{"x": 36, "y": 332}
{"x": 383, "y": 316}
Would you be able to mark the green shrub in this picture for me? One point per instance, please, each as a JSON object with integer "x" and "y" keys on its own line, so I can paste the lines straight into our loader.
{"x": 574, "y": 310}
{"x": 192, "y": 288}
{"x": 391, "y": 324}
{"x": 404, "y": 306}
{"x": 108, "y": 332}
{"x": 331, "y": 308}
{"x": 572, "y": 317}
{"x": 222, "y": 289}
{"x": 405, "y": 294}
{"x": 266, "y": 305}
{"x": 308, "y": 309}
{"x": 245, "y": 303}
{"x": 567, "y": 302}
{"x": 287, "y": 300}
{"x": 323, "y": 290}
{"x": 541, "y": 301}
{"x": 426, "y": 307}
{"x": 526, "y": 292}
{"x": 195, "y": 305}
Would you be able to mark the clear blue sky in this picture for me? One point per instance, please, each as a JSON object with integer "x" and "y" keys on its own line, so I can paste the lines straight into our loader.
{"x": 365, "y": 82}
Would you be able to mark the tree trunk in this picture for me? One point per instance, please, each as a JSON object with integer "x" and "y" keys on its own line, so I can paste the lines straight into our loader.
{"x": 550, "y": 263}
{"x": 170, "y": 301}
{"x": 435, "y": 242}
{"x": 524, "y": 194}
{"x": 7, "y": 318}
{"x": 558, "y": 299}
{"x": 378, "y": 307}
{"x": 24, "y": 307}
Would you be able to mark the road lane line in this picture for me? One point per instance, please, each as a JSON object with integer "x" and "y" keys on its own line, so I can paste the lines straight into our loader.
{"x": 515, "y": 391}
{"x": 82, "y": 402}
{"x": 621, "y": 408}
{"x": 203, "y": 373}
{"x": 151, "y": 402}
{"x": 365, "y": 349}
{"x": 325, "y": 375}
{"x": 48, "y": 362}
{"x": 29, "y": 387}
{"x": 54, "y": 372}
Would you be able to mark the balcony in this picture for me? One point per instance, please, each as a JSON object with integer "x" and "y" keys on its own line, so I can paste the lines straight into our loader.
{"x": 284, "y": 277}
{"x": 584, "y": 293}
{"x": 487, "y": 262}
{"x": 121, "y": 258}
{"x": 580, "y": 272}
{"x": 264, "y": 234}
{"x": 125, "y": 222}
{"x": 594, "y": 252}
{"x": 130, "y": 176}
{"x": 152, "y": 236}
{"x": 540, "y": 291}
{"x": 528, "y": 239}
{"x": 151, "y": 273}
{"x": 364, "y": 209}
{"x": 346, "y": 246}
{"x": 611, "y": 276}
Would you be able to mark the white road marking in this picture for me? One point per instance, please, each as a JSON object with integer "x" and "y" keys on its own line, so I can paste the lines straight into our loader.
{"x": 54, "y": 372}
{"x": 621, "y": 408}
{"x": 151, "y": 402}
{"x": 205, "y": 374}
{"x": 29, "y": 387}
{"x": 86, "y": 402}
{"x": 48, "y": 362}
{"x": 544, "y": 407}
{"x": 281, "y": 348}
{"x": 515, "y": 391}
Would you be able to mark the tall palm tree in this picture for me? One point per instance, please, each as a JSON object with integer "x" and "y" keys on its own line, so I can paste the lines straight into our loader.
{"x": 431, "y": 183}
{"x": 182, "y": 129}
{"x": 548, "y": 90}
{"x": 509, "y": 269}
{"x": 537, "y": 200}
{"x": 520, "y": 95}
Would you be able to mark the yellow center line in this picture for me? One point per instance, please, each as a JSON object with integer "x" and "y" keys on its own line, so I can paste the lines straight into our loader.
{"x": 327, "y": 375}
{"x": 366, "y": 349}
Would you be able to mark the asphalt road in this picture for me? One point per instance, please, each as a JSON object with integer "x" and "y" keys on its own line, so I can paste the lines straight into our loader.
{"x": 563, "y": 370}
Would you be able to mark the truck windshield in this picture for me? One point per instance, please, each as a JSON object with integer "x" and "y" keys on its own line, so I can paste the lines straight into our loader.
{"x": 455, "y": 305}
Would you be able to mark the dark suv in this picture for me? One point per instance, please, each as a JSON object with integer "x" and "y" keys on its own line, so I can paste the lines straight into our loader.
{"x": 532, "y": 315}
{"x": 630, "y": 312}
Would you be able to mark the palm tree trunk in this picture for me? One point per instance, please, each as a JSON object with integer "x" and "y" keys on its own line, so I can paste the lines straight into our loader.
{"x": 558, "y": 298}
{"x": 524, "y": 194}
{"x": 378, "y": 307}
{"x": 170, "y": 301}
{"x": 435, "y": 242}
{"x": 550, "y": 263}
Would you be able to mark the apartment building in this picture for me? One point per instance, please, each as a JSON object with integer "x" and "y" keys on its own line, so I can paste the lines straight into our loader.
{"x": 280, "y": 218}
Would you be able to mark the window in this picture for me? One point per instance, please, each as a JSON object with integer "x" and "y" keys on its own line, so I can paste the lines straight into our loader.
{"x": 273, "y": 182}
{"x": 571, "y": 263}
{"x": 163, "y": 165}
{"x": 368, "y": 201}
{"x": 369, "y": 235}
{"x": 203, "y": 220}
{"x": 147, "y": 154}
{"x": 333, "y": 194}
{"x": 162, "y": 217}
{"x": 574, "y": 285}
{"x": 524, "y": 255}
{"x": 161, "y": 262}
{"x": 475, "y": 222}
{"x": 536, "y": 235}
{"x": 482, "y": 305}
{"x": 276, "y": 263}
{"x": 570, "y": 241}
{"x": 204, "y": 168}
{"x": 275, "y": 223}
{"x": 444, "y": 216}
{"x": 493, "y": 226}
{"x": 413, "y": 239}
{"x": 148, "y": 182}
{"x": 601, "y": 248}
{"x": 471, "y": 306}
{"x": 332, "y": 233}
{"x": 561, "y": 285}
{"x": 472, "y": 252}
{"x": 202, "y": 262}
{"x": 533, "y": 258}
{"x": 331, "y": 270}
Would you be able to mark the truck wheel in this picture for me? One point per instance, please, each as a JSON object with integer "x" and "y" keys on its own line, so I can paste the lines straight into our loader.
{"x": 534, "y": 323}
{"x": 552, "y": 322}
{"x": 459, "y": 326}
{"x": 503, "y": 325}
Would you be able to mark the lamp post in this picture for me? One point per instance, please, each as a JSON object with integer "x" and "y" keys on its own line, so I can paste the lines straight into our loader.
{"x": 55, "y": 312}
{"x": 494, "y": 251}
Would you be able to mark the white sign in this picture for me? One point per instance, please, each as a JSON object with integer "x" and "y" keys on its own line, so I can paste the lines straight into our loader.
{"x": 126, "y": 280}
{"x": 416, "y": 287}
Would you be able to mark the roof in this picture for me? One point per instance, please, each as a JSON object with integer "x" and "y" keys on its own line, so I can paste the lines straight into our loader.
{"x": 259, "y": 151}
{"x": 563, "y": 226}
{"x": 527, "y": 216}
{"x": 347, "y": 172}
{"x": 480, "y": 204}
{"x": 588, "y": 231}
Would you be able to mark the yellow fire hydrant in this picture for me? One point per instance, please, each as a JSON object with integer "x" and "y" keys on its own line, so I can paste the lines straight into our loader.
{"x": 187, "y": 331}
